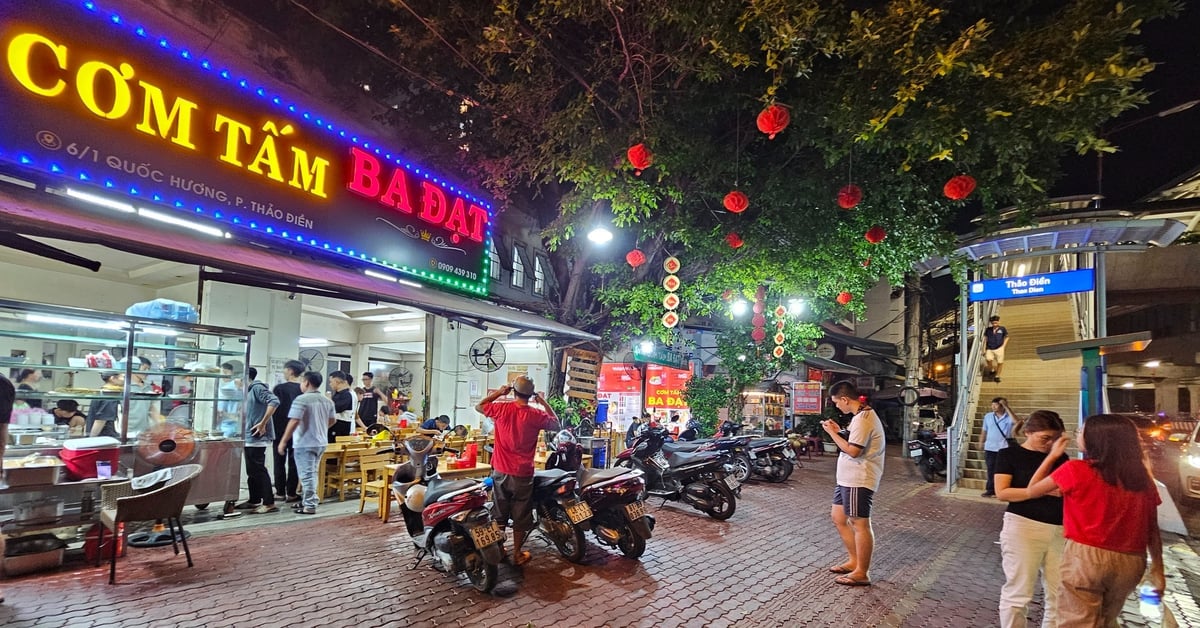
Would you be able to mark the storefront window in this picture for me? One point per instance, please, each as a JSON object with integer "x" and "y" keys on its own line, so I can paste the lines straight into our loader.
{"x": 539, "y": 277}
{"x": 518, "y": 274}
{"x": 494, "y": 260}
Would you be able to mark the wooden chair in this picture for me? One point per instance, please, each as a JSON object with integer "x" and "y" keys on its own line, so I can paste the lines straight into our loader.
{"x": 119, "y": 503}
{"x": 345, "y": 473}
{"x": 374, "y": 478}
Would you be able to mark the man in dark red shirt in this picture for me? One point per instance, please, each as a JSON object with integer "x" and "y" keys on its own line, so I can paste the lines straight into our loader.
{"x": 518, "y": 427}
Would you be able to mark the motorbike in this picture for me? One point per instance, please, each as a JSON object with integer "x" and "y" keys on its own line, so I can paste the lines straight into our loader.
{"x": 928, "y": 450}
{"x": 619, "y": 517}
{"x": 771, "y": 458}
{"x": 736, "y": 446}
{"x": 447, "y": 519}
{"x": 560, "y": 517}
{"x": 702, "y": 479}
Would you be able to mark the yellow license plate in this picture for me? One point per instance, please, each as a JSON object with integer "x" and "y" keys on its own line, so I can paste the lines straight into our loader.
{"x": 486, "y": 535}
{"x": 635, "y": 511}
{"x": 579, "y": 511}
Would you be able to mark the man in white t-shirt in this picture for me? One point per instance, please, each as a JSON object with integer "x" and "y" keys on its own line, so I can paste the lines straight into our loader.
{"x": 309, "y": 420}
{"x": 859, "y": 470}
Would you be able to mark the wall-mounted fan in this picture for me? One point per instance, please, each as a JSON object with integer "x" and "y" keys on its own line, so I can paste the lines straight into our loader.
{"x": 313, "y": 360}
{"x": 401, "y": 379}
{"x": 628, "y": 367}
{"x": 487, "y": 354}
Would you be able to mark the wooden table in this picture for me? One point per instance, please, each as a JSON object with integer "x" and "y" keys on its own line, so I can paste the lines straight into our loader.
{"x": 539, "y": 460}
{"x": 480, "y": 470}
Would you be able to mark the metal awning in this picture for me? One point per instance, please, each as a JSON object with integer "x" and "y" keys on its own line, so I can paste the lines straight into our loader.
{"x": 833, "y": 366}
{"x": 866, "y": 345}
{"x": 1077, "y": 237}
{"x": 38, "y": 214}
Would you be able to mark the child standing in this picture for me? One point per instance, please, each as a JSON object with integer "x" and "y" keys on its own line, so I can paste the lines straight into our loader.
{"x": 1110, "y": 519}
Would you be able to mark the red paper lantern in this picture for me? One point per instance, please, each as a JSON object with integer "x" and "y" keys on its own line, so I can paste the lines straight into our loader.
{"x": 773, "y": 120}
{"x": 849, "y": 196}
{"x": 844, "y": 298}
{"x": 759, "y": 320}
{"x": 959, "y": 187}
{"x": 736, "y": 202}
{"x": 875, "y": 234}
{"x": 759, "y": 334}
{"x": 640, "y": 157}
{"x": 635, "y": 258}
{"x": 778, "y": 352}
{"x": 734, "y": 241}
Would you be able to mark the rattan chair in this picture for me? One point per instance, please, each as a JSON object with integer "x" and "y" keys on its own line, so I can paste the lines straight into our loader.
{"x": 119, "y": 503}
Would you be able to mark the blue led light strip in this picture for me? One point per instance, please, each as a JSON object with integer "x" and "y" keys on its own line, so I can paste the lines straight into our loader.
{"x": 292, "y": 236}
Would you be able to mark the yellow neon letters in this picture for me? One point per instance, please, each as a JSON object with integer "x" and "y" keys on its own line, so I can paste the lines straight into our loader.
{"x": 19, "y": 53}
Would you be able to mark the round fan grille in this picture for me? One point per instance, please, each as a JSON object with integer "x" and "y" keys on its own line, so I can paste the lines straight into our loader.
{"x": 166, "y": 445}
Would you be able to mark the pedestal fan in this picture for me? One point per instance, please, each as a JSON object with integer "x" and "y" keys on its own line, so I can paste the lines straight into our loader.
{"x": 162, "y": 446}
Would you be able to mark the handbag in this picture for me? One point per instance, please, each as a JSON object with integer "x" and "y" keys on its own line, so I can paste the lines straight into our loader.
{"x": 1012, "y": 442}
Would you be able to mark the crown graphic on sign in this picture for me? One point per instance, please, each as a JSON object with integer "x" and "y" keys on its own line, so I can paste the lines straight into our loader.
{"x": 425, "y": 235}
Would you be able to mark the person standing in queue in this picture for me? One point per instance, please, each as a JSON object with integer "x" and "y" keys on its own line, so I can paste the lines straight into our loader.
{"x": 287, "y": 478}
{"x": 343, "y": 405}
{"x": 309, "y": 420}
{"x": 518, "y": 427}
{"x": 261, "y": 405}
{"x": 103, "y": 414}
{"x": 859, "y": 470}
{"x": 368, "y": 405}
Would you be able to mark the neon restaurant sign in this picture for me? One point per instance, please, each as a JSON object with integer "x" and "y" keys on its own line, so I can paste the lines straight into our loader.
{"x": 153, "y": 130}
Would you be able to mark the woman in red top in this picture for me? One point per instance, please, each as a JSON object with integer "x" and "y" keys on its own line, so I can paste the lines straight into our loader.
{"x": 1110, "y": 519}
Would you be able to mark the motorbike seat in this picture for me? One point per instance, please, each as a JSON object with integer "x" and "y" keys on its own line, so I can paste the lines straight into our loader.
{"x": 767, "y": 442}
{"x": 548, "y": 477}
{"x": 588, "y": 477}
{"x": 677, "y": 458}
{"x": 688, "y": 446}
{"x": 439, "y": 487}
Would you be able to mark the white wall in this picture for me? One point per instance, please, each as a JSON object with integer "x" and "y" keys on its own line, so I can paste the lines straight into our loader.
{"x": 27, "y": 283}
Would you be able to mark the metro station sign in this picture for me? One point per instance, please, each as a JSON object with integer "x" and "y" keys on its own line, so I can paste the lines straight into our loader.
{"x": 93, "y": 102}
{"x": 1032, "y": 285}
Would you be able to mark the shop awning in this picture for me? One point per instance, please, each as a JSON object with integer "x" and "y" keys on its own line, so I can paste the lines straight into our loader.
{"x": 866, "y": 345}
{"x": 833, "y": 366}
{"x": 38, "y": 214}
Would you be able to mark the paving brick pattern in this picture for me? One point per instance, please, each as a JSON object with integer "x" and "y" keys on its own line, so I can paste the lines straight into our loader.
{"x": 936, "y": 564}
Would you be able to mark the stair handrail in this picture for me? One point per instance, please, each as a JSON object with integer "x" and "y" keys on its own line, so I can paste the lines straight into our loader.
{"x": 965, "y": 404}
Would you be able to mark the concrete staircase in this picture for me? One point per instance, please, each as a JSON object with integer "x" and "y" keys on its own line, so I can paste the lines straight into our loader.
{"x": 1028, "y": 382}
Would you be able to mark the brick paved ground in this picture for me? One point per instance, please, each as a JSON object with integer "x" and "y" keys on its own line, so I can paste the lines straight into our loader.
{"x": 936, "y": 564}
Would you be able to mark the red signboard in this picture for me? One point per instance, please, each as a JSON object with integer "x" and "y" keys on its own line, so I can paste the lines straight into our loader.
{"x": 664, "y": 387}
{"x": 807, "y": 397}
{"x": 135, "y": 123}
{"x": 619, "y": 377}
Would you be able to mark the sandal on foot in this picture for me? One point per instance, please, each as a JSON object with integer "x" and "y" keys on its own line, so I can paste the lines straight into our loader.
{"x": 521, "y": 558}
{"x": 852, "y": 582}
{"x": 840, "y": 569}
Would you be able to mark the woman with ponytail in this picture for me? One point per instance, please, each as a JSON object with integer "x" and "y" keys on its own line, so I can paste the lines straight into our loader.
{"x": 1110, "y": 520}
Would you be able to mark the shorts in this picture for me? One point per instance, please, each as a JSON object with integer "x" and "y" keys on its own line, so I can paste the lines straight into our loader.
{"x": 512, "y": 497}
{"x": 994, "y": 355}
{"x": 855, "y": 500}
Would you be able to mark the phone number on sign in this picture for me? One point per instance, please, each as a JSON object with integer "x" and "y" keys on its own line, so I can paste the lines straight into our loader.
{"x": 461, "y": 272}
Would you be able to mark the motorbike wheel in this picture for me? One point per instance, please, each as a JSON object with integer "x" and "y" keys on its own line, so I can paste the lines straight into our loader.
{"x": 785, "y": 471}
{"x": 742, "y": 468}
{"x": 724, "y": 501}
{"x": 927, "y": 470}
{"x": 481, "y": 574}
{"x": 631, "y": 544}
{"x": 571, "y": 543}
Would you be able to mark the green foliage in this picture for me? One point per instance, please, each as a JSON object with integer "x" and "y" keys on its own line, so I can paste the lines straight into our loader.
{"x": 572, "y": 411}
{"x": 705, "y": 397}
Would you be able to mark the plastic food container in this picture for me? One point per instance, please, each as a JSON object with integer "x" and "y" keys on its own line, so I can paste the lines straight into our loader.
{"x": 32, "y": 471}
{"x": 38, "y": 511}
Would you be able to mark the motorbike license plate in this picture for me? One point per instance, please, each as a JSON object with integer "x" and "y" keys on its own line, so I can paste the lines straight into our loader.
{"x": 789, "y": 454}
{"x": 915, "y": 453}
{"x": 731, "y": 482}
{"x": 486, "y": 535}
{"x": 579, "y": 511}
{"x": 751, "y": 454}
{"x": 635, "y": 511}
{"x": 660, "y": 460}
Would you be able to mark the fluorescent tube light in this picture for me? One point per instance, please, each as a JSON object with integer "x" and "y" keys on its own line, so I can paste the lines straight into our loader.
{"x": 181, "y": 222}
{"x": 314, "y": 342}
{"x": 402, "y": 328}
{"x": 411, "y": 284}
{"x": 379, "y": 275}
{"x": 75, "y": 322}
{"x": 102, "y": 201}
{"x": 521, "y": 344}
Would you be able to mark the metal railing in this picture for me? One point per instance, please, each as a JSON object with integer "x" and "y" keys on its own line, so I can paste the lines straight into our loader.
{"x": 968, "y": 394}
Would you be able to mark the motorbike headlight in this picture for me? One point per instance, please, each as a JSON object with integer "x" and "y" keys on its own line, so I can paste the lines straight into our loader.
{"x": 1194, "y": 461}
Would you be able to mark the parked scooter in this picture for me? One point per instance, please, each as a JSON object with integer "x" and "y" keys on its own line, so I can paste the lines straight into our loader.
{"x": 736, "y": 446}
{"x": 446, "y": 519}
{"x": 772, "y": 458}
{"x": 561, "y": 518}
{"x": 701, "y": 479}
{"x": 619, "y": 516}
{"x": 928, "y": 450}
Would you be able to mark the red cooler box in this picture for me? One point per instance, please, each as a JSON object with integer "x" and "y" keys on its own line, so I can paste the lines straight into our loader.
{"x": 81, "y": 454}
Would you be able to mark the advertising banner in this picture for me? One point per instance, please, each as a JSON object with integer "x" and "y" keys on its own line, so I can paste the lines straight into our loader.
{"x": 126, "y": 121}
{"x": 807, "y": 397}
{"x": 664, "y": 387}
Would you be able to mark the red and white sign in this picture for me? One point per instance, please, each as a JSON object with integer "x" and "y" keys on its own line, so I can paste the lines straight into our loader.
{"x": 807, "y": 397}
{"x": 619, "y": 377}
{"x": 664, "y": 387}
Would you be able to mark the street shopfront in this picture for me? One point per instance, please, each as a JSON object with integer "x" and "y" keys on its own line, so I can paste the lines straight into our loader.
{"x": 134, "y": 166}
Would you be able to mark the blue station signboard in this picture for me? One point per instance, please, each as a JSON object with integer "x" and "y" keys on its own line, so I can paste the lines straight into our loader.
{"x": 1032, "y": 285}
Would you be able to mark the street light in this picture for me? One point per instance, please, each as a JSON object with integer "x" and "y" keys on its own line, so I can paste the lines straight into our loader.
{"x": 600, "y": 235}
{"x": 1152, "y": 364}
{"x": 739, "y": 307}
{"x": 647, "y": 347}
{"x": 795, "y": 306}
